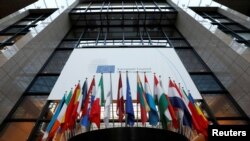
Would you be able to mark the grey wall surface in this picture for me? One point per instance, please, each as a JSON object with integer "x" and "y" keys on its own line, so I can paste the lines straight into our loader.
{"x": 17, "y": 72}
{"x": 229, "y": 61}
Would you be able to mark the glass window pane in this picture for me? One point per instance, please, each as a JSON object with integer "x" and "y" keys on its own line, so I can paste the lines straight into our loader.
{"x": 191, "y": 61}
{"x": 234, "y": 27}
{"x": 179, "y": 43}
{"x": 30, "y": 108}
{"x": 68, "y": 44}
{"x": 57, "y": 62}
{"x": 206, "y": 82}
{"x": 13, "y": 30}
{"x": 172, "y": 32}
{"x": 51, "y": 110}
{"x": 221, "y": 106}
{"x": 43, "y": 84}
{"x": 16, "y": 131}
{"x": 246, "y": 36}
{"x": 75, "y": 33}
{"x": 40, "y": 131}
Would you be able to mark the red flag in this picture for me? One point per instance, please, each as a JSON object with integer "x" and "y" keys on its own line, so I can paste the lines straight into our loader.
{"x": 173, "y": 114}
{"x": 120, "y": 101}
{"x": 68, "y": 115}
{"x": 95, "y": 111}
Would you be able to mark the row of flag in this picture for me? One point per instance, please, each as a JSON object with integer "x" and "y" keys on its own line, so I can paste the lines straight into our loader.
{"x": 81, "y": 107}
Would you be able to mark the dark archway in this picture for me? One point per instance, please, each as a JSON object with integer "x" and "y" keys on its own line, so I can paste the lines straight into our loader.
{"x": 130, "y": 134}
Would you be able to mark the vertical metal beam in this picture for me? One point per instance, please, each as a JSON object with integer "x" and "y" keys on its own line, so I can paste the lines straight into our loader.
{"x": 144, "y": 13}
{"x": 148, "y": 35}
{"x": 138, "y": 11}
{"x": 100, "y": 14}
{"x": 97, "y": 38}
{"x": 80, "y": 38}
{"x": 170, "y": 43}
{"x": 141, "y": 36}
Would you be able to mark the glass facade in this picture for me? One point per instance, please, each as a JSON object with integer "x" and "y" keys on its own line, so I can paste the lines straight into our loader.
{"x": 11, "y": 34}
{"x": 119, "y": 25}
{"x": 240, "y": 33}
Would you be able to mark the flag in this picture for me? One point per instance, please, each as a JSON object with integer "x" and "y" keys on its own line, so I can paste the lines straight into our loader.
{"x": 54, "y": 118}
{"x": 197, "y": 122}
{"x": 75, "y": 111}
{"x": 108, "y": 102}
{"x": 120, "y": 100}
{"x": 143, "y": 102}
{"x": 177, "y": 102}
{"x": 107, "y": 109}
{"x": 199, "y": 116}
{"x": 95, "y": 111}
{"x": 129, "y": 106}
{"x": 84, "y": 93}
{"x": 162, "y": 104}
{"x": 153, "y": 114}
{"x": 86, "y": 106}
{"x": 91, "y": 92}
{"x": 171, "y": 109}
{"x": 61, "y": 117}
{"x": 101, "y": 90}
{"x": 68, "y": 122}
{"x": 85, "y": 119}
{"x": 155, "y": 92}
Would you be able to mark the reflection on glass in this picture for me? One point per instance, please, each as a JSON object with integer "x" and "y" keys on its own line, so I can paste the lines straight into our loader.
{"x": 16, "y": 131}
{"x": 221, "y": 106}
{"x": 43, "y": 84}
{"x": 246, "y": 36}
{"x": 57, "y": 62}
{"x": 30, "y": 107}
{"x": 191, "y": 61}
{"x": 206, "y": 82}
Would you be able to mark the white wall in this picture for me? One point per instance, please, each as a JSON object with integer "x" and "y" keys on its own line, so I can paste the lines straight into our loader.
{"x": 83, "y": 63}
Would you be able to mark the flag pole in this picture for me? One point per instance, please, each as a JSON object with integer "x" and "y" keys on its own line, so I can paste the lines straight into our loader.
{"x": 112, "y": 99}
{"x": 137, "y": 101}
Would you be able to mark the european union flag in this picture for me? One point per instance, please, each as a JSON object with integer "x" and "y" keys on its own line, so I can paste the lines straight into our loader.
{"x": 129, "y": 106}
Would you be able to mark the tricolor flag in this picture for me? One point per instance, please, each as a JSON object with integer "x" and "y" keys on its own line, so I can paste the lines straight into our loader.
{"x": 162, "y": 104}
{"x": 101, "y": 87}
{"x": 120, "y": 100}
{"x": 199, "y": 116}
{"x": 61, "y": 117}
{"x": 177, "y": 102}
{"x": 68, "y": 123}
{"x": 171, "y": 109}
{"x": 143, "y": 102}
{"x": 129, "y": 105}
{"x": 53, "y": 120}
{"x": 95, "y": 111}
{"x": 153, "y": 114}
{"x": 76, "y": 110}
